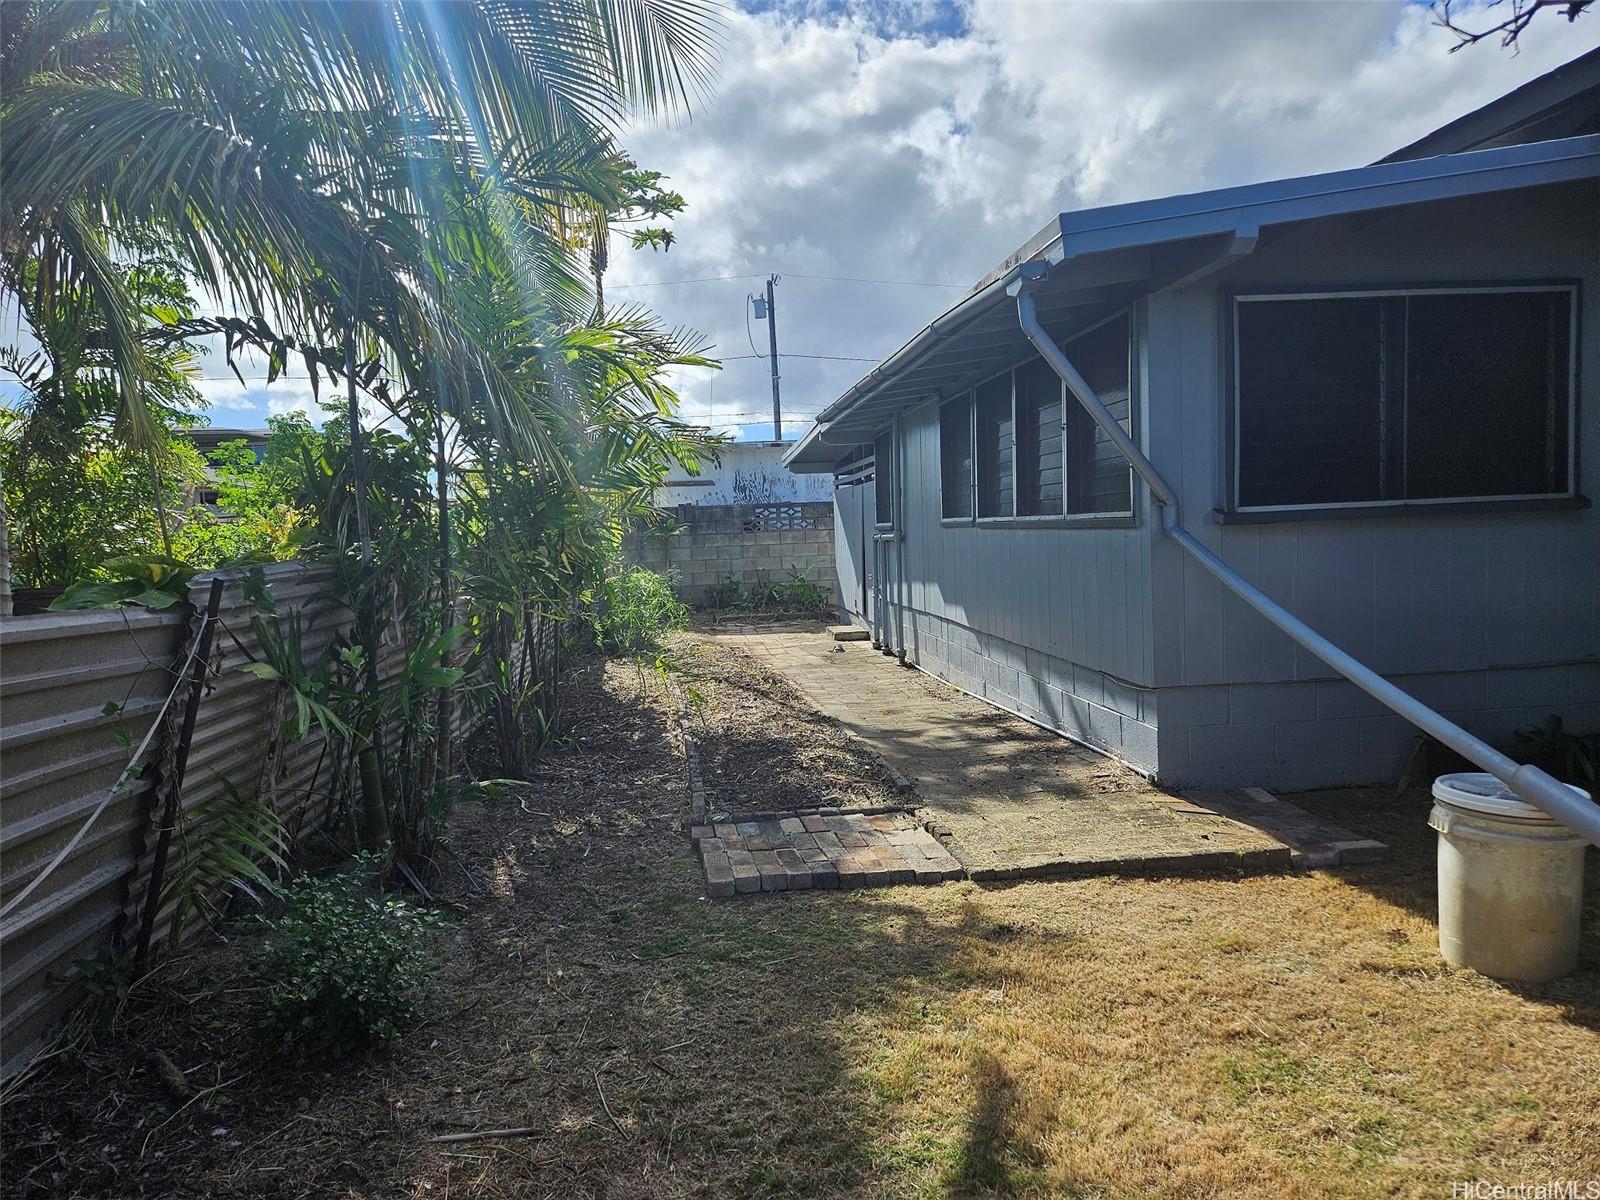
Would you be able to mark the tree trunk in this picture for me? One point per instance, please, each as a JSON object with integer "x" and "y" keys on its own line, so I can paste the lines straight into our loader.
{"x": 447, "y": 598}
{"x": 374, "y": 797}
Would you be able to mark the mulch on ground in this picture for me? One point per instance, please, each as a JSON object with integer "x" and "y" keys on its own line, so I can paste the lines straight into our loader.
{"x": 764, "y": 748}
{"x": 1253, "y": 1036}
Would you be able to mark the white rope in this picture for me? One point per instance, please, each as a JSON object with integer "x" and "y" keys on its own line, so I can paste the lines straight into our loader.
{"x": 127, "y": 771}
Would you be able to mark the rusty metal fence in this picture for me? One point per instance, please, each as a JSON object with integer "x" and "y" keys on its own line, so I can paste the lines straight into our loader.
{"x": 77, "y": 693}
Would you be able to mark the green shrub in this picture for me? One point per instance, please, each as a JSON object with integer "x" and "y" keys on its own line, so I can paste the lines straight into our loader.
{"x": 343, "y": 968}
{"x": 797, "y": 593}
{"x": 726, "y": 594}
{"x": 636, "y": 610}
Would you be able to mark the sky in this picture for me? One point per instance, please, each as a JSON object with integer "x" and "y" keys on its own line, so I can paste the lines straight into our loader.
{"x": 882, "y": 158}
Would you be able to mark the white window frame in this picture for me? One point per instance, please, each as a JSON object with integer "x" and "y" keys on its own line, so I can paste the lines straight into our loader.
{"x": 1436, "y": 502}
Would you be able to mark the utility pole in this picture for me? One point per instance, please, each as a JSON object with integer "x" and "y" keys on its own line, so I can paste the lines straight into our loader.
{"x": 772, "y": 345}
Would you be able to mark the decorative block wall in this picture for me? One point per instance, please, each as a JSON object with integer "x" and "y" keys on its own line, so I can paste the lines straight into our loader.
{"x": 747, "y": 542}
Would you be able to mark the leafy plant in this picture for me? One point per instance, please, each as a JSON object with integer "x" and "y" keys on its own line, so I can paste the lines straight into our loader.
{"x": 636, "y": 610}
{"x": 797, "y": 593}
{"x": 803, "y": 594}
{"x": 224, "y": 847}
{"x": 343, "y": 968}
{"x": 1570, "y": 757}
{"x": 726, "y": 594}
{"x": 282, "y": 641}
{"x": 154, "y": 581}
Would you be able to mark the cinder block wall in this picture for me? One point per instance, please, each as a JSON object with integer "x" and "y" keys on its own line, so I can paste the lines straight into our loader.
{"x": 1087, "y": 705}
{"x": 747, "y": 542}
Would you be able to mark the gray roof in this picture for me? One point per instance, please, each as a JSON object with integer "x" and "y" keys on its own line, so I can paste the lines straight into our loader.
{"x": 1561, "y": 103}
{"x": 1103, "y": 259}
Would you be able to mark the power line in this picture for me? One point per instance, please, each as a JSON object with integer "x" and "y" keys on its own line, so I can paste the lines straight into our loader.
{"x": 754, "y": 353}
{"x": 725, "y": 358}
{"x": 618, "y": 287}
{"x": 888, "y": 282}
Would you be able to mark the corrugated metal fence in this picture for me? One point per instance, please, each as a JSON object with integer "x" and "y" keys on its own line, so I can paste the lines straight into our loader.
{"x": 63, "y": 745}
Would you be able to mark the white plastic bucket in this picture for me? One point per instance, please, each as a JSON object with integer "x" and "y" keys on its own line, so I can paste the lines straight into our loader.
{"x": 1510, "y": 881}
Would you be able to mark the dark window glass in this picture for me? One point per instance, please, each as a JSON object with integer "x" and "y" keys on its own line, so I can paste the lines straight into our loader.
{"x": 883, "y": 480}
{"x": 1311, "y": 401}
{"x": 1420, "y": 397}
{"x": 995, "y": 449}
{"x": 955, "y": 457}
{"x": 1039, "y": 484}
{"x": 1486, "y": 394}
{"x": 1099, "y": 479}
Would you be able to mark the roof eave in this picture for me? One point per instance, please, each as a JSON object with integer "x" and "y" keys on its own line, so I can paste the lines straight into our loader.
{"x": 1097, "y": 235}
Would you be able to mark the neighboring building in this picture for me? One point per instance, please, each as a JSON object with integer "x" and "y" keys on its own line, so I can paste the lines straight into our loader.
{"x": 746, "y": 473}
{"x": 207, "y": 439}
{"x": 1375, "y": 393}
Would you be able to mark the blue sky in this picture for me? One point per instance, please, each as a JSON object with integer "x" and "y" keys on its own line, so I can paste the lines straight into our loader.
{"x": 880, "y": 158}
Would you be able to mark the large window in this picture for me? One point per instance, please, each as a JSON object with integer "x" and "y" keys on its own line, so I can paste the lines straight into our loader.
{"x": 996, "y": 448}
{"x": 883, "y": 482}
{"x": 1099, "y": 479}
{"x": 1018, "y": 446}
{"x": 955, "y": 457}
{"x": 1038, "y": 440}
{"x": 1385, "y": 398}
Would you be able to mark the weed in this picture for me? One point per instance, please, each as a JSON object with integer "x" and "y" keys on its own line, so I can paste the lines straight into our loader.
{"x": 342, "y": 968}
{"x": 1268, "y": 1069}
{"x": 797, "y": 593}
{"x": 636, "y": 610}
{"x": 1570, "y": 757}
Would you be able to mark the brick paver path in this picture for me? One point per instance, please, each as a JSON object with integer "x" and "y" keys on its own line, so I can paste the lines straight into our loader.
{"x": 1012, "y": 799}
{"x": 824, "y": 849}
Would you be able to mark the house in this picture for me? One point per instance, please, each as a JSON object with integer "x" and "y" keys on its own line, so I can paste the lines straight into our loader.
{"x": 208, "y": 439}
{"x": 1372, "y": 395}
{"x": 745, "y": 473}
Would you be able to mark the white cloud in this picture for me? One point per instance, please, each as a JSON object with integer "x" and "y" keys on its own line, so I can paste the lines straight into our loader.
{"x": 853, "y": 142}
{"x": 253, "y": 401}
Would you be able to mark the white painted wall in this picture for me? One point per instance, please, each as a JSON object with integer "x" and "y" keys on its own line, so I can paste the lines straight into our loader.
{"x": 748, "y": 473}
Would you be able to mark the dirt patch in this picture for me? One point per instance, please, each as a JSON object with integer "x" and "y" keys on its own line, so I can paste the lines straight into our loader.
{"x": 1260, "y": 1036}
{"x": 764, "y": 747}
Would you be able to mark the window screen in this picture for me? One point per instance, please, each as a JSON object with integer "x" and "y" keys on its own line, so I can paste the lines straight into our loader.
{"x": 1099, "y": 479}
{"x": 1039, "y": 483}
{"x": 955, "y": 457}
{"x": 883, "y": 480}
{"x": 1419, "y": 396}
{"x": 996, "y": 448}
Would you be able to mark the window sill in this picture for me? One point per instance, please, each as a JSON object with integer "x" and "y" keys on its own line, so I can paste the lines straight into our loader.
{"x": 1362, "y": 512}
{"x": 1078, "y": 521}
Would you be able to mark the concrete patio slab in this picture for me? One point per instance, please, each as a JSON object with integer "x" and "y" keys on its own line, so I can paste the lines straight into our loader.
{"x": 1013, "y": 800}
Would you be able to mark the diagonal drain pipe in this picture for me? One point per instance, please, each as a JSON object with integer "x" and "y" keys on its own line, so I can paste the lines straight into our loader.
{"x": 1539, "y": 789}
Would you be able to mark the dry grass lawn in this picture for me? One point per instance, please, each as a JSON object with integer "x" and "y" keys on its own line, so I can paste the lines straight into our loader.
{"x": 1272, "y": 1036}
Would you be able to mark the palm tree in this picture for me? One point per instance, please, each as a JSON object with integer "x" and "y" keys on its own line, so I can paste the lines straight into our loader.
{"x": 330, "y": 168}
{"x": 307, "y": 158}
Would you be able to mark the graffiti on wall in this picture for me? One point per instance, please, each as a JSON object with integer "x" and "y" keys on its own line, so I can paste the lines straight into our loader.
{"x": 746, "y": 475}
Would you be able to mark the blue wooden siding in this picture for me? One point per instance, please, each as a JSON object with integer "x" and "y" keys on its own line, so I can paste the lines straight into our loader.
{"x": 1080, "y": 594}
{"x": 1435, "y": 592}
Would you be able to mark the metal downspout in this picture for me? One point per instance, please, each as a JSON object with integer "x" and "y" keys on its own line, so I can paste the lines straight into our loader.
{"x": 900, "y": 585}
{"x": 877, "y": 594}
{"x": 1538, "y": 788}
{"x": 877, "y": 622}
